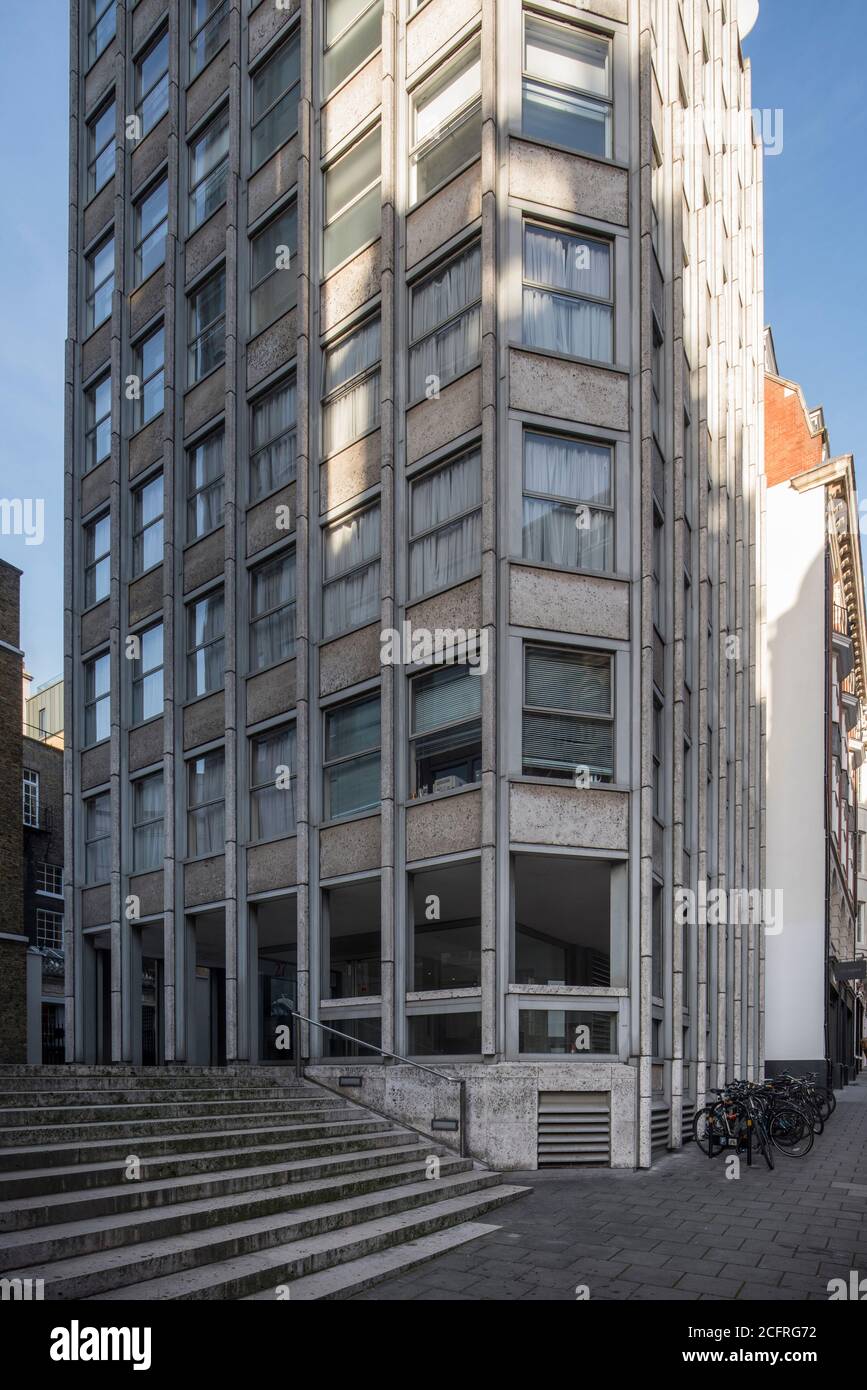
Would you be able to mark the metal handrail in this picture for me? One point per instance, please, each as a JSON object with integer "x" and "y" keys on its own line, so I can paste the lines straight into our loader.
{"x": 395, "y": 1057}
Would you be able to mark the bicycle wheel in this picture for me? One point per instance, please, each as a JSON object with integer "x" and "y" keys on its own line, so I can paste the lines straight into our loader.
{"x": 791, "y": 1131}
{"x": 708, "y": 1130}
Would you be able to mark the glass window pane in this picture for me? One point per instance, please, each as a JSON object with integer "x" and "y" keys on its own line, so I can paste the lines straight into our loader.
{"x": 569, "y": 57}
{"x": 352, "y": 173}
{"x": 566, "y": 1032}
{"x": 562, "y": 914}
{"x": 352, "y": 728}
{"x": 354, "y": 46}
{"x": 351, "y": 941}
{"x": 444, "y": 1035}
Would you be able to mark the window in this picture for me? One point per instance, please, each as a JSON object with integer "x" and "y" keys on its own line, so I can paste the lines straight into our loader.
{"x": 209, "y": 30}
{"x": 350, "y": 594}
{"x": 272, "y": 426}
{"x": 147, "y": 675}
{"x": 101, "y": 20}
{"x": 101, "y": 149}
{"x": 99, "y": 284}
{"x": 657, "y": 369}
{"x": 658, "y": 571}
{"x": 562, "y": 909}
{"x": 445, "y": 323}
{"x": 151, "y": 223}
{"x": 568, "y": 713}
{"x": 207, "y": 326}
{"x": 272, "y": 611}
{"x": 351, "y": 941}
{"x": 446, "y": 122}
{"x": 97, "y": 565}
{"x": 567, "y": 86}
{"x": 149, "y": 359}
{"x": 43, "y": 722}
{"x": 97, "y": 838}
{"x": 30, "y": 798}
{"x": 272, "y": 784}
{"x": 147, "y": 525}
{"x": 275, "y": 88}
{"x": 563, "y": 1032}
{"x": 273, "y": 280}
{"x": 362, "y": 1030}
{"x": 206, "y": 810}
{"x": 445, "y": 729}
{"x": 445, "y": 524}
{"x": 97, "y": 423}
{"x": 658, "y": 789}
{"x": 152, "y": 83}
{"x": 656, "y": 945}
{"x": 353, "y": 30}
{"x": 205, "y": 486}
{"x": 351, "y": 763}
{"x": 49, "y": 879}
{"x": 454, "y": 1034}
{"x": 568, "y": 502}
{"x": 97, "y": 699}
{"x": 447, "y": 930}
{"x": 205, "y": 645}
{"x": 567, "y": 293}
{"x": 209, "y": 169}
{"x": 49, "y": 930}
{"x": 148, "y": 809}
{"x": 353, "y": 215}
{"x": 351, "y": 398}
{"x": 862, "y": 923}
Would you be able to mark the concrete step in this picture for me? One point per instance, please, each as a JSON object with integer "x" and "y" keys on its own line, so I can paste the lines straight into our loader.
{"x": 83, "y": 1175}
{"x": 109, "y": 1232}
{"x": 20, "y": 1146}
{"x": 32, "y": 1117}
{"x": 344, "y": 1280}
{"x": 242, "y": 1274}
{"x": 162, "y": 1095}
{"x": 115, "y": 1199}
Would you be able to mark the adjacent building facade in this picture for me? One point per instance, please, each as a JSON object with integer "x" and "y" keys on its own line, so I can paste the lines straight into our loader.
{"x": 815, "y": 652}
{"x": 414, "y": 403}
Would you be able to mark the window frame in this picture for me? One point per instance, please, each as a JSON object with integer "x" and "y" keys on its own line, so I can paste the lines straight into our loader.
{"x": 328, "y": 222}
{"x": 139, "y": 418}
{"x": 49, "y": 917}
{"x": 413, "y": 735}
{"x": 288, "y": 209}
{"x": 92, "y": 288}
{"x": 93, "y": 702}
{"x": 93, "y": 562}
{"x": 221, "y": 15}
{"x": 592, "y": 98}
{"x": 141, "y": 96}
{"x": 219, "y": 121}
{"x": 194, "y": 341}
{"x": 328, "y": 47}
{"x": 574, "y": 233}
{"x": 576, "y": 715}
{"x": 193, "y": 492}
{"x": 94, "y": 48}
{"x": 192, "y": 647}
{"x": 140, "y": 528}
{"x": 476, "y": 304}
{"x": 328, "y": 763}
{"x": 350, "y": 384}
{"x": 415, "y": 537}
{"x": 289, "y": 383}
{"x": 91, "y": 431}
{"x": 139, "y": 675}
{"x": 140, "y": 240}
{"x": 137, "y": 824}
{"x": 30, "y": 801}
{"x": 375, "y": 502}
{"x": 288, "y": 730}
{"x": 94, "y": 154}
{"x": 459, "y": 117}
{"x": 293, "y": 37}
{"x": 255, "y": 619}
{"x": 91, "y": 840}
{"x": 43, "y": 878}
{"x": 609, "y": 508}
{"x": 193, "y": 806}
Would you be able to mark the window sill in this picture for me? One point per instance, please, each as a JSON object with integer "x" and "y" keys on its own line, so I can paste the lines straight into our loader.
{"x": 445, "y": 589}
{"x": 551, "y": 568}
{"x": 266, "y": 496}
{"x": 444, "y": 183}
{"x": 202, "y": 858}
{"x": 335, "y": 453}
{"x": 192, "y": 231}
{"x": 219, "y": 367}
{"x": 290, "y": 309}
{"x": 347, "y": 260}
{"x": 141, "y": 284}
{"x": 197, "y": 699}
{"x": 347, "y": 632}
{"x": 344, "y": 81}
{"x": 188, "y": 545}
{"x": 526, "y": 779}
{"x": 272, "y": 666}
{"x": 442, "y": 796}
{"x": 192, "y": 80}
{"x": 134, "y": 578}
{"x": 143, "y": 723}
{"x": 444, "y": 385}
{"x": 272, "y": 839}
{"x": 92, "y": 607}
{"x": 352, "y": 1001}
{"x": 617, "y": 367}
{"x": 607, "y": 161}
{"x": 350, "y": 818}
{"x": 435, "y": 996}
{"x": 572, "y": 991}
{"x": 93, "y": 197}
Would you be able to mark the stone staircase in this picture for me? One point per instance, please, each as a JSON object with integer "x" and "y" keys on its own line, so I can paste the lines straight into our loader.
{"x": 218, "y": 1183}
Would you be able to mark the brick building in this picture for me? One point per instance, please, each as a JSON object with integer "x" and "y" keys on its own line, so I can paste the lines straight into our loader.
{"x": 13, "y": 941}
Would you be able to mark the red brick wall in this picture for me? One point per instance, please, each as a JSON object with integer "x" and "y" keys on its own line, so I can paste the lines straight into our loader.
{"x": 790, "y": 448}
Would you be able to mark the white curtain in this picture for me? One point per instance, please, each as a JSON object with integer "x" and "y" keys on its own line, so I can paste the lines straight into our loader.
{"x": 561, "y": 261}
{"x": 352, "y": 355}
{"x": 351, "y": 414}
{"x": 447, "y": 292}
{"x": 552, "y": 536}
{"x": 456, "y": 346}
{"x": 349, "y": 545}
{"x": 444, "y": 557}
{"x": 351, "y": 601}
{"x": 581, "y": 473}
{"x": 273, "y": 636}
{"x": 148, "y": 834}
{"x": 446, "y": 353}
{"x": 439, "y": 559}
{"x": 274, "y": 807}
{"x": 207, "y": 783}
{"x": 575, "y": 327}
{"x": 575, "y": 265}
{"x": 273, "y": 425}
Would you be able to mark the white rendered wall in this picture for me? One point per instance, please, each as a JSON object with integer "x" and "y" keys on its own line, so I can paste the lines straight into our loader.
{"x": 795, "y": 665}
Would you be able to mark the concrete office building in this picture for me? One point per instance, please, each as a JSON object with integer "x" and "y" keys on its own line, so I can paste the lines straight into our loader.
{"x": 815, "y": 654}
{"x": 446, "y": 314}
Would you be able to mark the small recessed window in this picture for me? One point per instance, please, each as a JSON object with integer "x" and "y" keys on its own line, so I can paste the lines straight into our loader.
{"x": 97, "y": 699}
{"x": 568, "y": 725}
{"x": 97, "y": 423}
{"x": 350, "y": 593}
{"x": 562, "y": 914}
{"x": 205, "y": 644}
{"x": 151, "y": 225}
{"x": 149, "y": 358}
{"x": 206, "y": 806}
{"x": 568, "y": 502}
{"x": 351, "y": 766}
{"x": 272, "y": 611}
{"x": 99, "y": 285}
{"x": 102, "y": 26}
{"x": 272, "y": 425}
{"x": 97, "y": 838}
{"x": 351, "y": 388}
{"x": 353, "y": 213}
{"x": 207, "y": 326}
{"x": 353, "y": 30}
{"x": 97, "y": 563}
{"x": 205, "y": 486}
{"x": 568, "y": 299}
{"x": 273, "y": 279}
{"x": 49, "y": 930}
{"x": 101, "y": 149}
{"x": 445, "y": 524}
{"x": 147, "y": 675}
{"x": 209, "y": 169}
{"x": 152, "y": 83}
{"x": 566, "y": 1032}
{"x": 275, "y": 88}
{"x": 147, "y": 525}
{"x": 567, "y": 86}
{"x": 454, "y": 1034}
{"x": 446, "y": 122}
{"x": 447, "y": 930}
{"x": 445, "y": 729}
{"x": 148, "y": 809}
{"x": 445, "y": 324}
{"x": 272, "y": 784}
{"x": 209, "y": 30}
{"x": 352, "y": 941}
{"x": 30, "y": 798}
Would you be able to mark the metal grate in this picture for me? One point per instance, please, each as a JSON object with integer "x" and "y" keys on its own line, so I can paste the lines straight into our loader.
{"x": 660, "y": 1126}
{"x": 688, "y": 1114}
{"x": 574, "y": 1129}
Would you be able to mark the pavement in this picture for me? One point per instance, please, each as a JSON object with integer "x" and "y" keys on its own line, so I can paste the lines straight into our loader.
{"x": 681, "y": 1230}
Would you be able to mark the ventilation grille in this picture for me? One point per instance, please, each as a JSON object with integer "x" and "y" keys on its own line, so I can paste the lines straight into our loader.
{"x": 600, "y": 969}
{"x": 688, "y": 1113}
{"x": 660, "y": 1126}
{"x": 574, "y": 1129}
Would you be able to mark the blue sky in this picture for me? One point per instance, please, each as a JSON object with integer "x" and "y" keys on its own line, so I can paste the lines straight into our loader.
{"x": 815, "y": 266}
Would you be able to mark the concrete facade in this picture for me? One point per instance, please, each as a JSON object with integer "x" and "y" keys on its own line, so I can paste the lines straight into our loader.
{"x": 661, "y": 210}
